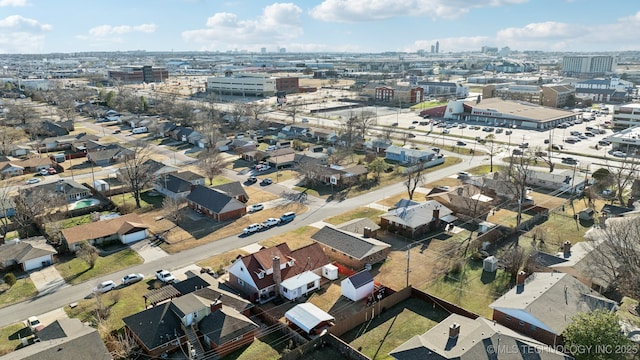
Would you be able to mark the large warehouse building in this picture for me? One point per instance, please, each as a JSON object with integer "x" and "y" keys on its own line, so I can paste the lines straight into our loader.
{"x": 495, "y": 111}
{"x": 242, "y": 84}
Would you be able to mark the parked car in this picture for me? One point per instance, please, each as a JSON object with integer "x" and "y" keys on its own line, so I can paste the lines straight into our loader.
{"x": 132, "y": 279}
{"x": 288, "y": 216}
{"x": 569, "y": 160}
{"x": 44, "y": 172}
{"x": 604, "y": 143}
{"x": 517, "y": 152}
{"x": 255, "y": 207}
{"x": 52, "y": 171}
{"x": 445, "y": 131}
{"x": 461, "y": 143}
{"x": 105, "y": 286}
{"x": 508, "y": 132}
{"x": 266, "y": 181}
{"x": 463, "y": 175}
{"x": 394, "y": 124}
{"x": 34, "y": 324}
{"x": 411, "y": 127}
{"x": 33, "y": 181}
{"x": 117, "y": 131}
{"x": 165, "y": 276}
{"x": 251, "y": 180}
{"x": 252, "y": 228}
{"x": 619, "y": 153}
{"x": 270, "y": 222}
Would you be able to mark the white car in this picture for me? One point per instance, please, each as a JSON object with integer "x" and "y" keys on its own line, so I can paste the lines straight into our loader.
{"x": 270, "y": 222}
{"x": 255, "y": 207}
{"x": 619, "y": 154}
{"x": 252, "y": 228}
{"x": 105, "y": 286}
{"x": 34, "y": 324}
{"x": 33, "y": 181}
{"x": 132, "y": 279}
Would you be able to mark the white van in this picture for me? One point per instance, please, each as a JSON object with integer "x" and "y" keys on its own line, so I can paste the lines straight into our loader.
{"x": 140, "y": 130}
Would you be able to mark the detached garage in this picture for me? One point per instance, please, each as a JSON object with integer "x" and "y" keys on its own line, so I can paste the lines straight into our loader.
{"x": 131, "y": 232}
{"x": 309, "y": 318}
{"x": 29, "y": 254}
{"x": 358, "y": 286}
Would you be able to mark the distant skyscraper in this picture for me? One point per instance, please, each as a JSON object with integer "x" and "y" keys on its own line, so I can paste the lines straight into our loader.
{"x": 263, "y": 50}
{"x": 283, "y": 50}
{"x": 588, "y": 65}
{"x": 437, "y": 47}
{"x": 433, "y": 49}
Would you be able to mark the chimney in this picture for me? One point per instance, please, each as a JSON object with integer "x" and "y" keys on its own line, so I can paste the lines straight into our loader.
{"x": 277, "y": 276}
{"x": 520, "y": 278}
{"x": 366, "y": 232}
{"x": 436, "y": 216}
{"x": 454, "y": 330}
{"x": 630, "y": 202}
{"x": 216, "y": 304}
{"x": 460, "y": 190}
{"x": 566, "y": 249}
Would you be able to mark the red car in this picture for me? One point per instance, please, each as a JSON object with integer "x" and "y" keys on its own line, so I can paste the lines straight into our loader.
{"x": 52, "y": 171}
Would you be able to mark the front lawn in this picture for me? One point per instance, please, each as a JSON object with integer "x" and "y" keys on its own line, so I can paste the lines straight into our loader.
{"x": 393, "y": 327}
{"x": 472, "y": 288}
{"x": 22, "y": 290}
{"x": 361, "y": 212}
{"x": 10, "y": 337}
{"x": 121, "y": 302}
{"x": 295, "y": 238}
{"x": 76, "y": 271}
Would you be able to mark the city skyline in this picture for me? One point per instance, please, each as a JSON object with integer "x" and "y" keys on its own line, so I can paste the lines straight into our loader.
{"x": 356, "y": 26}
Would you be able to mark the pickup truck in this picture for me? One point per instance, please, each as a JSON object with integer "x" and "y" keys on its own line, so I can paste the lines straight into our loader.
{"x": 165, "y": 276}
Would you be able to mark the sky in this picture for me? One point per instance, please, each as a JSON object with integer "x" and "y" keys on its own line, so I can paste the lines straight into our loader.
{"x": 351, "y": 26}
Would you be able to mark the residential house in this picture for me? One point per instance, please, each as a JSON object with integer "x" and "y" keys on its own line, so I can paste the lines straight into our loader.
{"x": 280, "y": 158}
{"x": 566, "y": 181}
{"x": 349, "y": 249}
{"x": 64, "y": 339}
{"x": 67, "y": 189}
{"x": 233, "y": 189}
{"x": 293, "y": 132}
{"x": 7, "y": 207}
{"x": 35, "y": 164}
{"x": 358, "y": 286}
{"x": 409, "y": 156}
{"x": 126, "y": 229}
{"x": 17, "y": 150}
{"x": 379, "y": 146}
{"x": 172, "y": 186}
{"x": 339, "y": 175}
{"x": 157, "y": 169}
{"x": 108, "y": 157}
{"x": 29, "y": 254}
{"x": 416, "y": 220}
{"x": 543, "y": 305}
{"x": 215, "y": 204}
{"x": 310, "y": 157}
{"x": 208, "y": 323}
{"x": 327, "y": 136}
{"x": 362, "y": 226}
{"x": 10, "y": 169}
{"x": 309, "y": 318}
{"x": 190, "y": 176}
{"x": 462, "y": 338}
{"x": 467, "y": 199}
{"x": 259, "y": 276}
{"x": 181, "y": 133}
{"x": 51, "y": 128}
{"x": 164, "y": 128}
{"x": 240, "y": 146}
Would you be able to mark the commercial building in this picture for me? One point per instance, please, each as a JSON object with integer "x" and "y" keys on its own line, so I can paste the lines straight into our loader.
{"x": 394, "y": 94}
{"x": 626, "y": 116}
{"x": 588, "y": 66}
{"x": 604, "y": 90}
{"x": 498, "y": 112}
{"x": 558, "y": 96}
{"x": 242, "y": 84}
{"x": 288, "y": 84}
{"x": 508, "y": 91}
{"x": 139, "y": 74}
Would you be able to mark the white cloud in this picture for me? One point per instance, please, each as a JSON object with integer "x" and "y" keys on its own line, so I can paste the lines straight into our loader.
{"x": 108, "y": 30}
{"x": 22, "y": 35}
{"x": 14, "y": 3}
{"x": 372, "y": 10}
{"x": 279, "y": 23}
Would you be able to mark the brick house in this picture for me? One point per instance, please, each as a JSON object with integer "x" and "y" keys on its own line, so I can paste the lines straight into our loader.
{"x": 352, "y": 250}
{"x": 215, "y": 203}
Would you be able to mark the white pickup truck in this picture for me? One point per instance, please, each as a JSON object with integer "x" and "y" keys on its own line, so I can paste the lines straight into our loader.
{"x": 165, "y": 276}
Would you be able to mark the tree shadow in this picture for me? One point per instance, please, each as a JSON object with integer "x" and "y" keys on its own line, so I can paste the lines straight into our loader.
{"x": 488, "y": 277}
{"x": 22, "y": 333}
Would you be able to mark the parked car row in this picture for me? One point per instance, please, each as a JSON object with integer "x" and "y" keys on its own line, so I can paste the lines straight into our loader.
{"x": 269, "y": 223}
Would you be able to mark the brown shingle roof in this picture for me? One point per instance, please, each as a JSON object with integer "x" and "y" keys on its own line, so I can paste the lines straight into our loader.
{"x": 101, "y": 229}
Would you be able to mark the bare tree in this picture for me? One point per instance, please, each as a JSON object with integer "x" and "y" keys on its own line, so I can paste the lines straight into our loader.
{"x": 19, "y": 113}
{"x": 617, "y": 253}
{"x": 211, "y": 162}
{"x": 35, "y": 207}
{"x": 622, "y": 175}
{"x": 256, "y": 109}
{"x": 6, "y": 204}
{"x": 518, "y": 174}
{"x": 9, "y": 136}
{"x": 413, "y": 176}
{"x": 364, "y": 121}
{"x": 66, "y": 106}
{"x": 292, "y": 109}
{"x": 88, "y": 253}
{"x": 514, "y": 259}
{"x": 492, "y": 149}
{"x": 310, "y": 172}
{"x": 387, "y": 132}
{"x": 545, "y": 156}
{"x": 172, "y": 207}
{"x": 347, "y": 131}
{"x": 134, "y": 172}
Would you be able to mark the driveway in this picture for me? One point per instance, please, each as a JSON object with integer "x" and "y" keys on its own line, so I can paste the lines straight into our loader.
{"x": 148, "y": 250}
{"x": 47, "y": 280}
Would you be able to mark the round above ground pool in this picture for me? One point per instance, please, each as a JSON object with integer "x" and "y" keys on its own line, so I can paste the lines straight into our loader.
{"x": 84, "y": 203}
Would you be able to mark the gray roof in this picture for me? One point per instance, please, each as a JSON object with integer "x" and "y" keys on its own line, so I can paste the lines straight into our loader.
{"x": 351, "y": 244}
{"x": 25, "y": 250}
{"x": 232, "y": 189}
{"x": 357, "y": 225}
{"x": 189, "y": 175}
{"x": 360, "y": 279}
{"x": 550, "y": 300}
{"x": 214, "y": 200}
{"x": 228, "y": 299}
{"x": 414, "y": 216}
{"x": 475, "y": 341}
{"x": 225, "y": 324}
{"x": 188, "y": 303}
{"x": 174, "y": 183}
{"x": 64, "y": 339}
{"x": 155, "y": 326}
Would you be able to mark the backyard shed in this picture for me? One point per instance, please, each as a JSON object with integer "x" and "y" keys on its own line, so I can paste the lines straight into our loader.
{"x": 299, "y": 285}
{"x": 358, "y": 286}
{"x": 309, "y": 318}
{"x": 330, "y": 271}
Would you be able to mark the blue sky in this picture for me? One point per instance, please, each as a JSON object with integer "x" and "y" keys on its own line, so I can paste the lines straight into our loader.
{"x": 45, "y": 26}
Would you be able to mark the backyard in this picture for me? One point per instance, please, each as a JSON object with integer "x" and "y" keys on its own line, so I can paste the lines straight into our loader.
{"x": 391, "y": 328}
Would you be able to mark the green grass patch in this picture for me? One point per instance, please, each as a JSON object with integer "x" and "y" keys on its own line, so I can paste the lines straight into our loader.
{"x": 218, "y": 180}
{"x": 10, "y": 337}
{"x": 22, "y": 290}
{"x": 560, "y": 227}
{"x": 75, "y": 271}
{"x": 472, "y": 289}
{"x": 78, "y": 220}
{"x": 260, "y": 349}
{"x": 121, "y": 302}
{"x": 486, "y": 169}
{"x": 395, "y": 326}
{"x": 428, "y": 105}
{"x": 361, "y": 212}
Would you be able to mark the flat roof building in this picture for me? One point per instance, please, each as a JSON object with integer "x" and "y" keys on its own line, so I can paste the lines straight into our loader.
{"x": 242, "y": 84}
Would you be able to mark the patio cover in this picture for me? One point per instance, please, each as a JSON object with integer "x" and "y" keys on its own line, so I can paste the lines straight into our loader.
{"x": 307, "y": 316}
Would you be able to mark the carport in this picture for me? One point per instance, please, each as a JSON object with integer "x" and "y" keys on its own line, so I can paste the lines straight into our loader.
{"x": 157, "y": 296}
